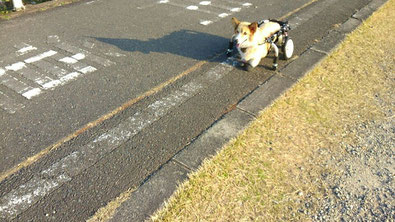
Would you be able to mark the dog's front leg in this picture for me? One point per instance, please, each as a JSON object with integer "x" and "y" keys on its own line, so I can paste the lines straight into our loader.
{"x": 252, "y": 63}
{"x": 230, "y": 47}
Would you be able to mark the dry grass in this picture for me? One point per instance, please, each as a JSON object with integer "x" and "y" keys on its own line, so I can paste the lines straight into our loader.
{"x": 108, "y": 211}
{"x": 262, "y": 175}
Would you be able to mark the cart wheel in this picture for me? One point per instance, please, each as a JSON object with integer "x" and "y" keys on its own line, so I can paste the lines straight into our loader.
{"x": 288, "y": 48}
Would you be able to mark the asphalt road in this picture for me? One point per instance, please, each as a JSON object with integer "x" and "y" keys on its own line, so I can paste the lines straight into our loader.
{"x": 96, "y": 95}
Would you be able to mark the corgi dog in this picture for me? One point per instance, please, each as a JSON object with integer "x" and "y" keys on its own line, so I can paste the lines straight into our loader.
{"x": 253, "y": 41}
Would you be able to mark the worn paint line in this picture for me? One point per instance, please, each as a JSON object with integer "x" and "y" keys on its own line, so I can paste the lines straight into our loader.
{"x": 314, "y": 10}
{"x": 92, "y": 124}
{"x": 296, "y": 10}
{"x": 26, "y": 194}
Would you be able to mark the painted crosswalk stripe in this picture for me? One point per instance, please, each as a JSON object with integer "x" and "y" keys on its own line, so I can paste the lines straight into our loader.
{"x": 75, "y": 64}
{"x": 34, "y": 76}
{"x": 50, "y": 68}
{"x": 75, "y": 50}
{"x": 24, "y": 48}
{"x": 31, "y": 93}
{"x": 8, "y": 104}
{"x": 18, "y": 86}
{"x": 189, "y": 7}
{"x": 205, "y": 3}
{"x": 16, "y": 66}
{"x": 40, "y": 56}
{"x": 206, "y": 22}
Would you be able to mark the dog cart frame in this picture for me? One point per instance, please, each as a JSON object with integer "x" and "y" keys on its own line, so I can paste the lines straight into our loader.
{"x": 279, "y": 39}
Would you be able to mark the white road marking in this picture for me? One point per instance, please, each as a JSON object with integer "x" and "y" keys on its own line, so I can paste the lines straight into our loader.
{"x": 210, "y": 4}
{"x": 50, "y": 68}
{"x": 192, "y": 7}
{"x": 87, "y": 69}
{"x": 68, "y": 60}
{"x": 31, "y": 93}
{"x": 206, "y": 22}
{"x": 26, "y": 194}
{"x": 223, "y": 15}
{"x": 78, "y": 56}
{"x": 314, "y": 10}
{"x": 34, "y": 76}
{"x": 52, "y": 84}
{"x": 115, "y": 54}
{"x": 205, "y": 2}
{"x": 18, "y": 86}
{"x": 40, "y": 56}
{"x": 16, "y": 66}
{"x": 53, "y": 39}
{"x": 2, "y": 71}
{"x": 25, "y": 69}
{"x": 75, "y": 50}
{"x": 69, "y": 77}
{"x": 26, "y": 49}
{"x": 235, "y": 9}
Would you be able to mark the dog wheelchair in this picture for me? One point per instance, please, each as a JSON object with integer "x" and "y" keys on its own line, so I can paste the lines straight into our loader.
{"x": 278, "y": 40}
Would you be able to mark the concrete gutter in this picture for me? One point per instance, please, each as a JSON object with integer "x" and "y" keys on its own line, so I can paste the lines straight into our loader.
{"x": 153, "y": 193}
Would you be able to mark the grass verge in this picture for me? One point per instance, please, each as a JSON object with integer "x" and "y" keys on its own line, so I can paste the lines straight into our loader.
{"x": 266, "y": 172}
{"x": 32, "y": 6}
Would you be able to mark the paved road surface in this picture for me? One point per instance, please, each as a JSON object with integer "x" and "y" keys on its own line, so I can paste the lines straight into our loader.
{"x": 96, "y": 95}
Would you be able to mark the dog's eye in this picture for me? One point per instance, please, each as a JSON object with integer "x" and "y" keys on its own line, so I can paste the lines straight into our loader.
{"x": 245, "y": 33}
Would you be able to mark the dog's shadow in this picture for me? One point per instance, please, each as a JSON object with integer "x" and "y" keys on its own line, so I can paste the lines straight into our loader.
{"x": 186, "y": 43}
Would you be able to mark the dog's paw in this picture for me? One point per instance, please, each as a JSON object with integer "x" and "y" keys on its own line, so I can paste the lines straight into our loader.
{"x": 274, "y": 67}
{"x": 248, "y": 67}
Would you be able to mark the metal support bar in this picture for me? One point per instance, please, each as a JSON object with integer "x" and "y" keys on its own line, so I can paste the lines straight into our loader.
{"x": 18, "y": 5}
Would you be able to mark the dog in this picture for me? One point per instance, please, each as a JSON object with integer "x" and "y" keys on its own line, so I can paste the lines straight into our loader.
{"x": 254, "y": 41}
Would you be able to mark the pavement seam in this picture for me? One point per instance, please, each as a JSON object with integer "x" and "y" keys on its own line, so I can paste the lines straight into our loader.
{"x": 183, "y": 165}
{"x": 321, "y": 51}
{"x": 247, "y": 112}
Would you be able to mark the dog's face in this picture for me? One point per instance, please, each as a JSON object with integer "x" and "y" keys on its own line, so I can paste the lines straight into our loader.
{"x": 244, "y": 33}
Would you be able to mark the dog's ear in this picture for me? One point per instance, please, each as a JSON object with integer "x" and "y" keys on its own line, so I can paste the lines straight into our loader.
{"x": 253, "y": 27}
{"x": 235, "y": 22}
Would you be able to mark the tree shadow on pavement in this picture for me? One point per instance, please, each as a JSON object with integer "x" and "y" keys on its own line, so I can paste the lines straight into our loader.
{"x": 187, "y": 43}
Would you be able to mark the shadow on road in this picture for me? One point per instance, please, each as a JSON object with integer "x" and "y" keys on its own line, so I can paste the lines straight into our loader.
{"x": 187, "y": 43}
